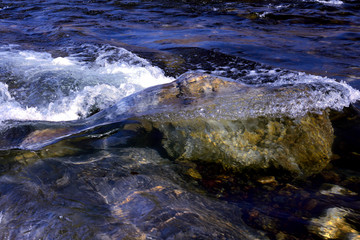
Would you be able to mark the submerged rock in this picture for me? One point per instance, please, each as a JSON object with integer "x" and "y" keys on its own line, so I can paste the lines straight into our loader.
{"x": 333, "y": 225}
{"x": 199, "y": 127}
{"x": 131, "y": 193}
{"x": 206, "y": 119}
{"x": 300, "y": 147}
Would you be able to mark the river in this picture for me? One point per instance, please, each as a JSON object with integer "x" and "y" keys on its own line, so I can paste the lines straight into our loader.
{"x": 63, "y": 63}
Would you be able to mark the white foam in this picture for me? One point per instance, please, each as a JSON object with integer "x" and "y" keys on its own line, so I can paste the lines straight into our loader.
{"x": 10, "y": 109}
{"x": 262, "y": 15}
{"x": 322, "y": 92}
{"x": 291, "y": 95}
{"x": 327, "y": 87}
{"x": 4, "y": 93}
{"x": 330, "y": 2}
{"x": 37, "y": 86}
{"x": 62, "y": 61}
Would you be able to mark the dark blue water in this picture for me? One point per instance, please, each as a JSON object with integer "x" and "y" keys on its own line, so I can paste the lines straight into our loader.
{"x": 311, "y": 36}
{"x": 61, "y": 61}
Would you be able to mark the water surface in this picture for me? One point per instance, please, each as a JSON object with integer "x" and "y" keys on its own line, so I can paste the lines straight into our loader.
{"x": 62, "y": 62}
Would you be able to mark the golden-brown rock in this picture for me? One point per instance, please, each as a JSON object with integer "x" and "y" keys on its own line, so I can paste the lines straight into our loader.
{"x": 201, "y": 126}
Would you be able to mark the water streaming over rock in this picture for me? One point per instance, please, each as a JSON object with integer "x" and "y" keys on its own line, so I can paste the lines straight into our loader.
{"x": 179, "y": 120}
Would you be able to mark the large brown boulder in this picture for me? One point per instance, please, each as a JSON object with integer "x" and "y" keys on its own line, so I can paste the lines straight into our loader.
{"x": 206, "y": 119}
{"x": 210, "y": 119}
{"x": 300, "y": 147}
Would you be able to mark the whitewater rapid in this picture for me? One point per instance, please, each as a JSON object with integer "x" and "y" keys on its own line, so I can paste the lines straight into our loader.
{"x": 38, "y": 86}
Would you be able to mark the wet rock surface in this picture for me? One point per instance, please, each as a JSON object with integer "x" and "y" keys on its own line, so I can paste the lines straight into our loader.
{"x": 244, "y": 177}
{"x": 203, "y": 118}
{"x": 300, "y": 146}
{"x": 256, "y": 144}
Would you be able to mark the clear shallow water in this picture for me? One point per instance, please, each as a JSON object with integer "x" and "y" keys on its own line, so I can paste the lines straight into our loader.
{"x": 63, "y": 61}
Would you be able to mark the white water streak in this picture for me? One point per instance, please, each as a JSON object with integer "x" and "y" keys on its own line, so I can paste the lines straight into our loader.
{"x": 36, "y": 86}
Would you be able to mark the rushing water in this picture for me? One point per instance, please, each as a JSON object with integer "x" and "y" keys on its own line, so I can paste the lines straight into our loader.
{"x": 61, "y": 62}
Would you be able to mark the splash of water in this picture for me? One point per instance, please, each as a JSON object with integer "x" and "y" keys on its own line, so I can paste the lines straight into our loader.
{"x": 328, "y": 2}
{"x": 331, "y": 2}
{"x": 37, "y": 86}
